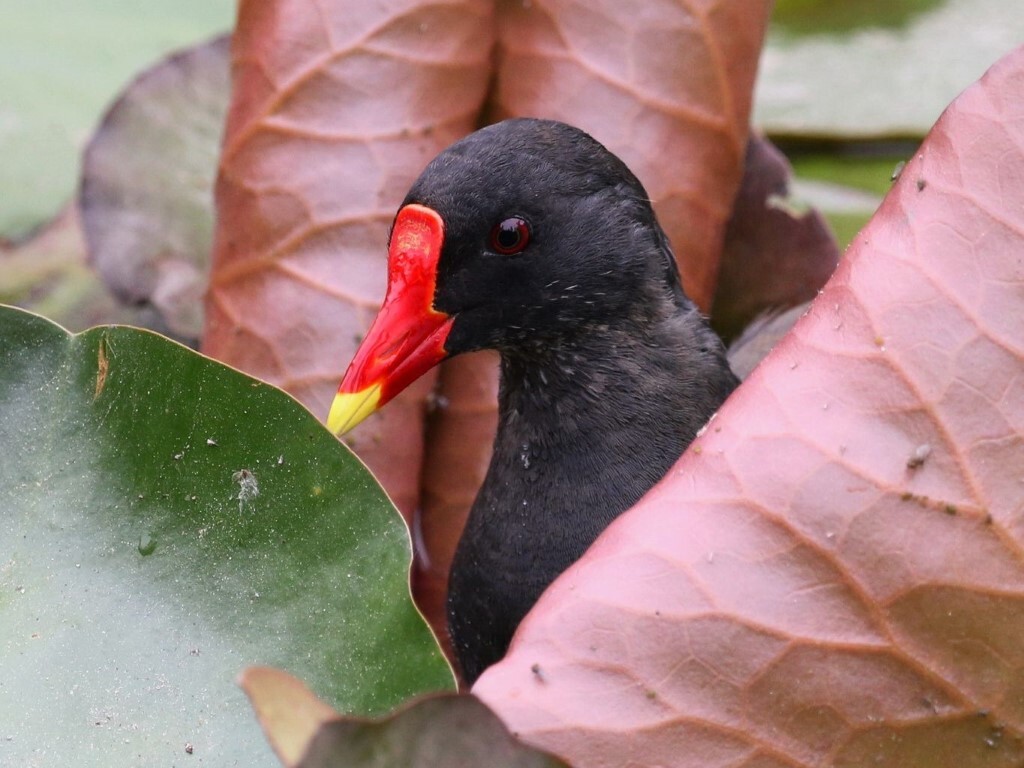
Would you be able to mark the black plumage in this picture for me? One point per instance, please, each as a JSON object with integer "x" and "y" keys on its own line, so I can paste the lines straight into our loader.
{"x": 607, "y": 369}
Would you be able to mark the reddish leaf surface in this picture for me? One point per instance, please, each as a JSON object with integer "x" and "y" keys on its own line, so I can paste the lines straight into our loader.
{"x": 666, "y": 85}
{"x": 833, "y": 574}
{"x": 336, "y": 109}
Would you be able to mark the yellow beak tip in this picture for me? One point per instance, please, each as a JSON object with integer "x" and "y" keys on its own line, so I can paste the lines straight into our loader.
{"x": 351, "y": 408}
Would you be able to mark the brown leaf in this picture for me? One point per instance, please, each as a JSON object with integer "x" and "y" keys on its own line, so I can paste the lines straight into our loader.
{"x": 289, "y": 713}
{"x": 775, "y": 255}
{"x": 445, "y": 730}
{"x": 147, "y": 184}
{"x": 833, "y": 574}
{"x": 335, "y": 110}
{"x": 665, "y": 85}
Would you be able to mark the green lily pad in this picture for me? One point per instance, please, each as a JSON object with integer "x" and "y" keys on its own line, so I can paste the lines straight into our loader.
{"x": 893, "y": 77}
{"x": 168, "y": 521}
{"x": 816, "y": 16}
{"x": 60, "y": 63}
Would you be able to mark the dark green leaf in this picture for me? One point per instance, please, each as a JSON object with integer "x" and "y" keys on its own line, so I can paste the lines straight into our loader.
{"x": 166, "y": 522}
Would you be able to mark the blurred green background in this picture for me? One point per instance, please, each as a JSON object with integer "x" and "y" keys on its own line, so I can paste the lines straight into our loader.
{"x": 61, "y": 63}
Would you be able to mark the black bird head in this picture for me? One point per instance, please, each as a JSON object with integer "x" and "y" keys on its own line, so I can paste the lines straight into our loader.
{"x": 520, "y": 237}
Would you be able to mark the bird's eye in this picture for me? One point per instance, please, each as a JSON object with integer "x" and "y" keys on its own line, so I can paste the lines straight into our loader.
{"x": 510, "y": 236}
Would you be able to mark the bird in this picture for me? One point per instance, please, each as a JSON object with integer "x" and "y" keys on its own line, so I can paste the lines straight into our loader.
{"x": 529, "y": 237}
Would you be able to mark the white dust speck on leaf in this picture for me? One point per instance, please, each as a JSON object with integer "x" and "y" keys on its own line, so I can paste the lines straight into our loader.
{"x": 248, "y": 488}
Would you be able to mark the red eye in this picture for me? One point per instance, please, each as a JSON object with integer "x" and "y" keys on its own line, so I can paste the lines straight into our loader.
{"x": 510, "y": 236}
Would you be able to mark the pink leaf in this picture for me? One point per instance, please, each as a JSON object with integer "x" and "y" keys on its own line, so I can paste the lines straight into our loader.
{"x": 833, "y": 574}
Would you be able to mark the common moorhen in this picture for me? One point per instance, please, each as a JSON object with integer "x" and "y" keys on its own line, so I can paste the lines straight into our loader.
{"x": 529, "y": 237}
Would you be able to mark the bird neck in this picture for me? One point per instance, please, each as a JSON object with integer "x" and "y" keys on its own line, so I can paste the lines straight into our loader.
{"x": 585, "y": 429}
{"x": 593, "y": 422}
{"x": 561, "y": 394}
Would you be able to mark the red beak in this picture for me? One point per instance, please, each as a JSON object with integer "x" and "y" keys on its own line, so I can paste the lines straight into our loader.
{"x": 408, "y": 335}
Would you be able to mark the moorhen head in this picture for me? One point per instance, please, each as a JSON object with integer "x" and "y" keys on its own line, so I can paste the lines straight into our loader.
{"x": 529, "y": 237}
